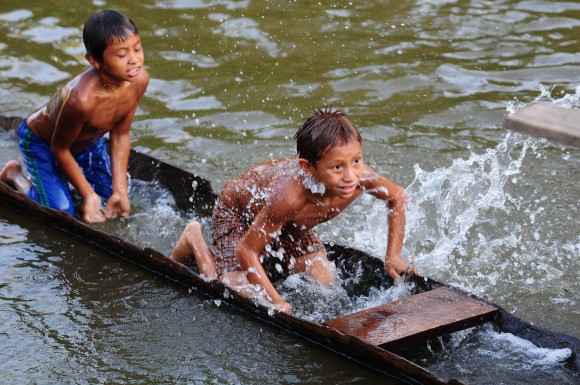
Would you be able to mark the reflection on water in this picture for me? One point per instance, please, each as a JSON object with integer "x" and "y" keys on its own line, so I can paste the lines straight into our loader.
{"x": 427, "y": 82}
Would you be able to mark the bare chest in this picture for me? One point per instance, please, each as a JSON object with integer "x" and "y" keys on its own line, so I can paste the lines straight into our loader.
{"x": 313, "y": 214}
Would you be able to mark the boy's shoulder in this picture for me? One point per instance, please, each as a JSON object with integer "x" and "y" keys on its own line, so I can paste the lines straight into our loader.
{"x": 290, "y": 185}
{"x": 281, "y": 177}
{"x": 81, "y": 86}
{"x": 89, "y": 89}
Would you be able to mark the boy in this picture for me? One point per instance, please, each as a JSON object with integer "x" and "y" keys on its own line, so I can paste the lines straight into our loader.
{"x": 63, "y": 142}
{"x": 273, "y": 207}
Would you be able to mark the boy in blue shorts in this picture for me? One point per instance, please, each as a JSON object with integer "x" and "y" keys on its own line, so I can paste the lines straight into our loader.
{"x": 62, "y": 142}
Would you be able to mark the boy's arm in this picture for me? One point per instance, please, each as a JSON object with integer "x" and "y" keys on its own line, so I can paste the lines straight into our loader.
{"x": 396, "y": 198}
{"x": 68, "y": 126}
{"x": 264, "y": 227}
{"x": 248, "y": 254}
{"x": 120, "y": 148}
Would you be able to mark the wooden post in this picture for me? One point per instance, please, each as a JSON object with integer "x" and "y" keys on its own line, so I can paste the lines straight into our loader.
{"x": 546, "y": 120}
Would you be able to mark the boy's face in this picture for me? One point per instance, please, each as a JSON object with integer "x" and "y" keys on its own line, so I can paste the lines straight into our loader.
{"x": 123, "y": 59}
{"x": 340, "y": 169}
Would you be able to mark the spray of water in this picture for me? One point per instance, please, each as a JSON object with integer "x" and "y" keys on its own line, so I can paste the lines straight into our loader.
{"x": 450, "y": 207}
{"x": 502, "y": 214}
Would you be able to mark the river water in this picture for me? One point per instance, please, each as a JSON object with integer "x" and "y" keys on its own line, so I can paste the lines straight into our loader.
{"x": 427, "y": 82}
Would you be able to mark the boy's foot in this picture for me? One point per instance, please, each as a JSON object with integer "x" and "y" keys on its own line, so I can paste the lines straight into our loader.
{"x": 192, "y": 245}
{"x": 183, "y": 250}
{"x": 12, "y": 175}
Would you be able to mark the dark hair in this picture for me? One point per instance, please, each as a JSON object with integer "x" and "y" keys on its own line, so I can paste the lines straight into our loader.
{"x": 102, "y": 27}
{"x": 323, "y": 130}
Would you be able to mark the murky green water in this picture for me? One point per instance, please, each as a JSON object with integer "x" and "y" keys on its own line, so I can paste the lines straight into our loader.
{"x": 427, "y": 82}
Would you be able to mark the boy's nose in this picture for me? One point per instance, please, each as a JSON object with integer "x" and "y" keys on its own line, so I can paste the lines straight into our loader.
{"x": 133, "y": 57}
{"x": 350, "y": 174}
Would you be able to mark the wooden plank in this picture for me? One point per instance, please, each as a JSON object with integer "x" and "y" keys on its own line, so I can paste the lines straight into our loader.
{"x": 546, "y": 120}
{"x": 435, "y": 312}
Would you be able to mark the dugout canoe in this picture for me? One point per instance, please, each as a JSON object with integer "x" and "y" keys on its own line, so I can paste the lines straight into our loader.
{"x": 194, "y": 193}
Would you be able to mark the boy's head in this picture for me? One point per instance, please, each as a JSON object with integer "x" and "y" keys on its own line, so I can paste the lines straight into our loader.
{"x": 102, "y": 27}
{"x": 324, "y": 129}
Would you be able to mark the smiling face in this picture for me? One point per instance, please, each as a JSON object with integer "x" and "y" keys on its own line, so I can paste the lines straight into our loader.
{"x": 122, "y": 60}
{"x": 340, "y": 169}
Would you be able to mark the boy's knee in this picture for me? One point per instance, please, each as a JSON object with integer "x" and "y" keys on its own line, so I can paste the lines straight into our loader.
{"x": 193, "y": 229}
{"x": 57, "y": 200}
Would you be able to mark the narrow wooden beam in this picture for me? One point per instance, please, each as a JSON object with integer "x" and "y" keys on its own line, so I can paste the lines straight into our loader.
{"x": 546, "y": 120}
{"x": 425, "y": 315}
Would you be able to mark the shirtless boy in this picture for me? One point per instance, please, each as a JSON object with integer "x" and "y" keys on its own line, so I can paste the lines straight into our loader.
{"x": 63, "y": 141}
{"x": 276, "y": 204}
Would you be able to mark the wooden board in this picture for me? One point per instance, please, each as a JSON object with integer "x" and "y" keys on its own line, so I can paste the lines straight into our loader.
{"x": 421, "y": 316}
{"x": 548, "y": 121}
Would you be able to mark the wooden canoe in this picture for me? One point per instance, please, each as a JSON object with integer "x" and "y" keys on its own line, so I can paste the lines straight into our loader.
{"x": 371, "y": 337}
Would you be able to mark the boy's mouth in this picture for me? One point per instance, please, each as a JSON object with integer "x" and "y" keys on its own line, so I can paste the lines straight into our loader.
{"x": 347, "y": 189}
{"x": 134, "y": 71}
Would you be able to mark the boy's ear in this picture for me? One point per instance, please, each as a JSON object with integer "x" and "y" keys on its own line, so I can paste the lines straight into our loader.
{"x": 306, "y": 166}
{"x": 92, "y": 61}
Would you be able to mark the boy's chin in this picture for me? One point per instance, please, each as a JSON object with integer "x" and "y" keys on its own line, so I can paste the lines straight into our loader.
{"x": 340, "y": 194}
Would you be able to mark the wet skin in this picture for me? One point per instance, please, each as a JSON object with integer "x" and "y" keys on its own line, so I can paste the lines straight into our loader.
{"x": 274, "y": 193}
{"x": 101, "y": 100}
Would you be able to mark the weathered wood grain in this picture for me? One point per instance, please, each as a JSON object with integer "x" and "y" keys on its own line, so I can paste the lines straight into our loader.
{"x": 420, "y": 316}
{"x": 546, "y": 120}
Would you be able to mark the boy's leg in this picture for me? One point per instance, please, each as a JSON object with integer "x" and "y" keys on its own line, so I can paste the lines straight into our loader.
{"x": 49, "y": 186}
{"x": 12, "y": 175}
{"x": 96, "y": 165}
{"x": 235, "y": 279}
{"x": 191, "y": 243}
{"x": 318, "y": 267}
{"x": 309, "y": 255}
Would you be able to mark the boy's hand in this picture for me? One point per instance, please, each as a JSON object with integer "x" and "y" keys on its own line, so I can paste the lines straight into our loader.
{"x": 396, "y": 266}
{"x": 91, "y": 209}
{"x": 283, "y": 306}
{"x": 322, "y": 270}
{"x": 118, "y": 204}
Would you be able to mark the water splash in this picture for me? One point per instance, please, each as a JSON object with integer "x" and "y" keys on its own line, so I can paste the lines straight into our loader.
{"x": 473, "y": 351}
{"x": 311, "y": 183}
{"x": 446, "y": 204}
{"x": 155, "y": 220}
{"x": 317, "y": 303}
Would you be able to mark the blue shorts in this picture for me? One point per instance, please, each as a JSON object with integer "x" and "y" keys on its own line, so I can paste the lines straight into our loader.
{"x": 50, "y": 187}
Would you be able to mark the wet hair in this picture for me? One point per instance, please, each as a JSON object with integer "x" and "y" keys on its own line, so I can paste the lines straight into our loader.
{"x": 102, "y": 27}
{"x": 324, "y": 129}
